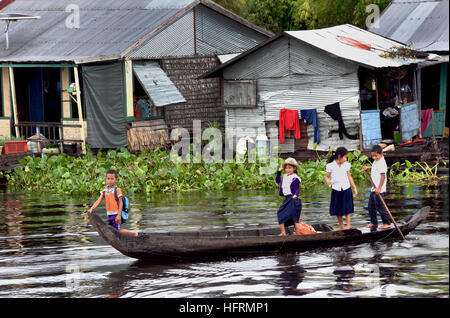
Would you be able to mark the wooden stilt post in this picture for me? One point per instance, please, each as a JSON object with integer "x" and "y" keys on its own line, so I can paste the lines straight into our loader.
{"x": 80, "y": 110}
{"x": 14, "y": 102}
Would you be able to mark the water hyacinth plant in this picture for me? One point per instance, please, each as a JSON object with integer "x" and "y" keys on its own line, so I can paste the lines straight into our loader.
{"x": 154, "y": 171}
{"x": 146, "y": 172}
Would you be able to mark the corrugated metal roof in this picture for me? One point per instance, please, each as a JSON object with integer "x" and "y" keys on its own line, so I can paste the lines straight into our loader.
{"x": 163, "y": 44}
{"x": 330, "y": 40}
{"x": 215, "y": 33}
{"x": 327, "y": 40}
{"x": 161, "y": 90}
{"x": 271, "y": 61}
{"x": 223, "y": 58}
{"x": 424, "y": 23}
{"x": 107, "y": 28}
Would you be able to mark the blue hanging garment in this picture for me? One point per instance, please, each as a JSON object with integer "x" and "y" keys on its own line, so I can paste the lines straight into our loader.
{"x": 310, "y": 116}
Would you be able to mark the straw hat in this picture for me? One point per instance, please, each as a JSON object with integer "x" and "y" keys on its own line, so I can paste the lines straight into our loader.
{"x": 292, "y": 162}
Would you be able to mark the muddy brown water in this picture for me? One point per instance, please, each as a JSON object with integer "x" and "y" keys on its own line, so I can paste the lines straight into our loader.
{"x": 48, "y": 249}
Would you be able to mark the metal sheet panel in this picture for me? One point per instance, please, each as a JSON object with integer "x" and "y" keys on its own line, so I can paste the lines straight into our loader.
{"x": 289, "y": 141}
{"x": 371, "y": 128}
{"x": 223, "y": 58}
{"x": 406, "y": 29}
{"x": 305, "y": 59}
{"x": 176, "y": 4}
{"x": 327, "y": 40}
{"x": 223, "y": 33}
{"x": 162, "y": 43}
{"x": 409, "y": 121}
{"x": 106, "y": 28}
{"x": 315, "y": 92}
{"x": 424, "y": 23}
{"x": 243, "y": 122}
{"x": 271, "y": 60}
{"x": 215, "y": 33}
{"x": 158, "y": 86}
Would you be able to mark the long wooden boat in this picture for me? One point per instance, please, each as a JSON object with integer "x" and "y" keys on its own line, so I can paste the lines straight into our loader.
{"x": 238, "y": 242}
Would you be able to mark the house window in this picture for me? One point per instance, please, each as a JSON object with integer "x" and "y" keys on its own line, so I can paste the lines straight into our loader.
{"x": 240, "y": 94}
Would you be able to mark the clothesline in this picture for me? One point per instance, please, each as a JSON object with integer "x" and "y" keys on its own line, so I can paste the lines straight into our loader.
{"x": 343, "y": 100}
{"x": 333, "y": 110}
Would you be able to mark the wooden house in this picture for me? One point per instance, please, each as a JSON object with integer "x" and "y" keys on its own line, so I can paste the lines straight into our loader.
{"x": 115, "y": 73}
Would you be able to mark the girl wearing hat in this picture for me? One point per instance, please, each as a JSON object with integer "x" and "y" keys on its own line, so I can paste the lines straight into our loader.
{"x": 291, "y": 207}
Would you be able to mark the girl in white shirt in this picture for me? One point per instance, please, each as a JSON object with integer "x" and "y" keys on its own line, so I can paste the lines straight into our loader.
{"x": 339, "y": 179}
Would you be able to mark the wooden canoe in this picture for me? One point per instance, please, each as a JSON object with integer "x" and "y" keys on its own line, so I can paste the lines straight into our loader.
{"x": 238, "y": 242}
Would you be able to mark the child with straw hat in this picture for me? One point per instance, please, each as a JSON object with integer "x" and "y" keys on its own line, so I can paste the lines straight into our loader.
{"x": 289, "y": 188}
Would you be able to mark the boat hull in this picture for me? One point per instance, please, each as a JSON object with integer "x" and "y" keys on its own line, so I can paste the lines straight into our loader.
{"x": 238, "y": 242}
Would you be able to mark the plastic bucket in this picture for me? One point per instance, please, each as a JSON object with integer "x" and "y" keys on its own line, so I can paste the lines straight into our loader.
{"x": 397, "y": 137}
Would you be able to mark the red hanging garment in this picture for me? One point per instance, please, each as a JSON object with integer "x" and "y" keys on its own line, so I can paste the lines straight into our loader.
{"x": 289, "y": 121}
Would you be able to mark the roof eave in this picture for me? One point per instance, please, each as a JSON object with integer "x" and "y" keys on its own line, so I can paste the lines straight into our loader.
{"x": 98, "y": 59}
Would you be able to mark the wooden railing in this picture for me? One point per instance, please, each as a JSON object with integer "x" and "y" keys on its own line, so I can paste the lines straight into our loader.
{"x": 53, "y": 132}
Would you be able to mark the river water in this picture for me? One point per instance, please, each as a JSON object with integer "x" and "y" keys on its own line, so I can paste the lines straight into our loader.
{"x": 48, "y": 249}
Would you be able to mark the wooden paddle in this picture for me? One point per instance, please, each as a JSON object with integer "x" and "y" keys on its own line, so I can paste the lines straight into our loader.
{"x": 385, "y": 206}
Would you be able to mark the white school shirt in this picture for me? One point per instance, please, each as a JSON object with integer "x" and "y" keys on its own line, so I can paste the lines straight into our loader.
{"x": 287, "y": 180}
{"x": 379, "y": 167}
{"x": 339, "y": 177}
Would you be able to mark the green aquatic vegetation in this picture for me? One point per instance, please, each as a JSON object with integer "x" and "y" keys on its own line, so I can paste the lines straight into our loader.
{"x": 420, "y": 173}
{"x": 147, "y": 172}
{"x": 153, "y": 171}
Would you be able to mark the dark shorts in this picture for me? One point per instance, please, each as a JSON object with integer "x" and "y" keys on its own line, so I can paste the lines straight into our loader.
{"x": 289, "y": 210}
{"x": 112, "y": 221}
{"x": 341, "y": 202}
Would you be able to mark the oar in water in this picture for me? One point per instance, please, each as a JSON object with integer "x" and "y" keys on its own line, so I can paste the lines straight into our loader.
{"x": 385, "y": 206}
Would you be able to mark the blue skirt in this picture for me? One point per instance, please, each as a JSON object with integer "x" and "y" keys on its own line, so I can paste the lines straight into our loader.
{"x": 289, "y": 210}
{"x": 341, "y": 202}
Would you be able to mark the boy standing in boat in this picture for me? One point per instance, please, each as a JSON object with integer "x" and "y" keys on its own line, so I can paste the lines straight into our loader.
{"x": 379, "y": 176}
{"x": 113, "y": 201}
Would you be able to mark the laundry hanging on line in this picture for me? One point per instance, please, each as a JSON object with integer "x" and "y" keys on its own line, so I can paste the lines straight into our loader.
{"x": 334, "y": 111}
{"x": 289, "y": 121}
{"x": 310, "y": 116}
{"x": 425, "y": 118}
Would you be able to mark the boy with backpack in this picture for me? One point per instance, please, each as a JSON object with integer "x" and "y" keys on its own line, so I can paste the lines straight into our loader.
{"x": 115, "y": 203}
